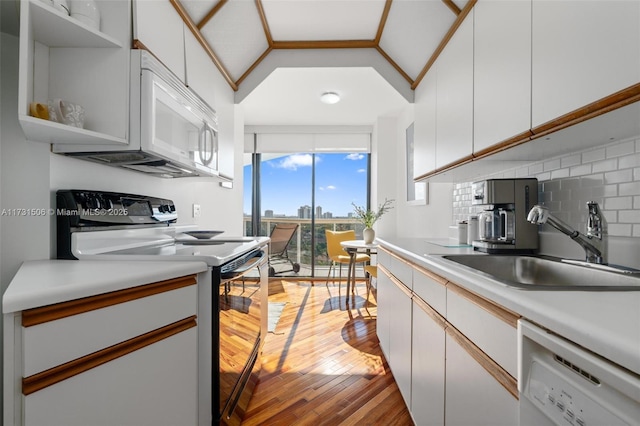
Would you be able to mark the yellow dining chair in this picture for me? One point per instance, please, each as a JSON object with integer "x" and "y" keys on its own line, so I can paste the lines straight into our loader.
{"x": 338, "y": 255}
{"x": 372, "y": 270}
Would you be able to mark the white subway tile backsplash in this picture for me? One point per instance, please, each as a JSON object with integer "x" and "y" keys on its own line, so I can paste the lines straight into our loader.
{"x": 620, "y": 149}
{"x": 593, "y": 155}
{"x": 559, "y": 174}
{"x": 620, "y": 229}
{"x": 631, "y": 188}
{"x": 618, "y": 203}
{"x": 629, "y": 216}
{"x": 551, "y": 164}
{"x": 619, "y": 176}
{"x": 605, "y": 165}
{"x": 582, "y": 170}
{"x": 609, "y": 175}
{"x": 629, "y": 161}
{"x": 572, "y": 160}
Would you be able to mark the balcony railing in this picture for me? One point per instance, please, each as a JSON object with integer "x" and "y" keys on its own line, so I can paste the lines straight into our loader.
{"x": 312, "y": 262}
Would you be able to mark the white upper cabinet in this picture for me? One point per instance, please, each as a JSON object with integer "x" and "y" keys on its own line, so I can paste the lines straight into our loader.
{"x": 63, "y": 58}
{"x": 454, "y": 119}
{"x": 199, "y": 69}
{"x": 424, "y": 138}
{"x": 582, "y": 52}
{"x": 160, "y": 29}
{"x": 502, "y": 71}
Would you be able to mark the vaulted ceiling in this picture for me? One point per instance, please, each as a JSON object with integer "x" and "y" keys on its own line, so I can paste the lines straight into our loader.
{"x": 240, "y": 34}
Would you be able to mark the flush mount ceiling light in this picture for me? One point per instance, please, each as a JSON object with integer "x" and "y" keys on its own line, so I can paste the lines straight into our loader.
{"x": 330, "y": 98}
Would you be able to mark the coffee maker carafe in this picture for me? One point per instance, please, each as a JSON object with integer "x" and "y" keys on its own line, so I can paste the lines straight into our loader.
{"x": 503, "y": 225}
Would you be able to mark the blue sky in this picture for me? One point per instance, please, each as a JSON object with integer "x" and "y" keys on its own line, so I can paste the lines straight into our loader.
{"x": 286, "y": 183}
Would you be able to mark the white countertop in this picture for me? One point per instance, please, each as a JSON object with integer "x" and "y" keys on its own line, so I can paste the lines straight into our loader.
{"x": 44, "y": 282}
{"x": 605, "y": 322}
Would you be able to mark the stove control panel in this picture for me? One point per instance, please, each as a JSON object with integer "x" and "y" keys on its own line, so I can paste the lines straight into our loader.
{"x": 81, "y": 208}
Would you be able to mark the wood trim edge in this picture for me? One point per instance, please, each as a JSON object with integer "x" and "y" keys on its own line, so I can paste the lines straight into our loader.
{"x": 43, "y": 314}
{"x": 396, "y": 281}
{"x": 62, "y": 372}
{"x": 505, "y": 379}
{"x": 507, "y": 316}
{"x": 432, "y": 313}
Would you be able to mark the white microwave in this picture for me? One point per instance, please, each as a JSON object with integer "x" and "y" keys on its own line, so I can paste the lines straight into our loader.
{"x": 172, "y": 132}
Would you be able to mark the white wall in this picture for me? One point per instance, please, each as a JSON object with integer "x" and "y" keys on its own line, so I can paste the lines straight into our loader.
{"x": 430, "y": 220}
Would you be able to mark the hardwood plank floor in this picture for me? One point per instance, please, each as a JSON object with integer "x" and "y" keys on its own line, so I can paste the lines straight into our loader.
{"x": 323, "y": 364}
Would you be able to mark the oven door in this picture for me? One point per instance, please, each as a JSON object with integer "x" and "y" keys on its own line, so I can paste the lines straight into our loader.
{"x": 242, "y": 310}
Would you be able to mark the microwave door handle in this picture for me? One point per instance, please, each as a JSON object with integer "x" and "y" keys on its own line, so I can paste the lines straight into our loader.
{"x": 202, "y": 142}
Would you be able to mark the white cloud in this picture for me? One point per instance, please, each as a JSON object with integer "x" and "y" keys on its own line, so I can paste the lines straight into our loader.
{"x": 328, "y": 188}
{"x": 292, "y": 162}
{"x": 362, "y": 170}
{"x": 355, "y": 156}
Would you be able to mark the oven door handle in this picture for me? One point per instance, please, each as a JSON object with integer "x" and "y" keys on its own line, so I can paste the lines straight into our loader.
{"x": 251, "y": 263}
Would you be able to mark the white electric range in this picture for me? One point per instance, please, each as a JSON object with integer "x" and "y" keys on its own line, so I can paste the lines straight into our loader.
{"x": 232, "y": 294}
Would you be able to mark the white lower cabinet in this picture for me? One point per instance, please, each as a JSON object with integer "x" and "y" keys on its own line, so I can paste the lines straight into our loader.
{"x": 128, "y": 357}
{"x": 400, "y": 338}
{"x": 427, "y": 365}
{"x": 155, "y": 385}
{"x": 384, "y": 310}
{"x": 451, "y": 352}
{"x": 473, "y": 395}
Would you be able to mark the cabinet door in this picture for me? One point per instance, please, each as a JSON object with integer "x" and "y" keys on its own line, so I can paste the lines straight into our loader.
{"x": 427, "y": 365}
{"x": 454, "y": 117}
{"x": 400, "y": 338}
{"x": 582, "y": 52}
{"x": 157, "y": 25}
{"x": 384, "y": 302}
{"x": 424, "y": 139}
{"x": 501, "y": 71}
{"x": 472, "y": 395}
{"x": 199, "y": 69}
{"x": 155, "y": 385}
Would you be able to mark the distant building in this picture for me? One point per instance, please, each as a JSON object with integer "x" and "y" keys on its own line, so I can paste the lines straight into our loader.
{"x": 304, "y": 212}
{"x": 319, "y": 212}
{"x": 328, "y": 215}
{"x": 268, "y": 213}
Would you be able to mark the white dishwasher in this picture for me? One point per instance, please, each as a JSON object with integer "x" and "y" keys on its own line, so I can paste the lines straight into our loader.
{"x": 561, "y": 383}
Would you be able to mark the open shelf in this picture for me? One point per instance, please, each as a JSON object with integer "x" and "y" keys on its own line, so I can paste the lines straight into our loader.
{"x": 39, "y": 130}
{"x": 55, "y": 29}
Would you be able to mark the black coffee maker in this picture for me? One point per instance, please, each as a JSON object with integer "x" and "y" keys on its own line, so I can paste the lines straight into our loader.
{"x": 502, "y": 225}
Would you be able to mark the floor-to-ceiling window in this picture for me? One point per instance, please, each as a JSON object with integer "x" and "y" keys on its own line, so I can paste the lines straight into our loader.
{"x": 315, "y": 189}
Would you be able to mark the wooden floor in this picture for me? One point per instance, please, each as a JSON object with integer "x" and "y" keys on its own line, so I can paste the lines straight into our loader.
{"x": 323, "y": 364}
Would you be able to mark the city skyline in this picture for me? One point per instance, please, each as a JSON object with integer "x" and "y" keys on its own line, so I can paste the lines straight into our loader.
{"x": 341, "y": 179}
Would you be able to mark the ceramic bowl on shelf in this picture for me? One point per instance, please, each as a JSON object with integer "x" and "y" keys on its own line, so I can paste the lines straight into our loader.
{"x": 66, "y": 112}
{"x": 85, "y": 11}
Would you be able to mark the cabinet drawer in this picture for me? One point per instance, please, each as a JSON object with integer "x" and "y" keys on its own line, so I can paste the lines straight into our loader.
{"x": 56, "y": 334}
{"x": 154, "y": 385}
{"x": 431, "y": 288}
{"x": 489, "y": 326}
{"x": 400, "y": 269}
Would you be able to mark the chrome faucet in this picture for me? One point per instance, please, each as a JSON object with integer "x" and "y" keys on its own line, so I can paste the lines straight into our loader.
{"x": 594, "y": 243}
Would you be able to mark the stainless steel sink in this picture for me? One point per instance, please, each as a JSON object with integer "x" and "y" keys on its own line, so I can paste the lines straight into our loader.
{"x": 548, "y": 273}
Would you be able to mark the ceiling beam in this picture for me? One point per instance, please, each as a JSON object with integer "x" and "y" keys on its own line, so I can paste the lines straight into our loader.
{"x": 253, "y": 66}
{"x": 265, "y": 24}
{"x": 454, "y": 27}
{"x": 394, "y": 65}
{"x": 198, "y": 35}
{"x": 211, "y": 13}
{"x": 383, "y": 20}
{"x": 451, "y": 5}
{"x": 325, "y": 44}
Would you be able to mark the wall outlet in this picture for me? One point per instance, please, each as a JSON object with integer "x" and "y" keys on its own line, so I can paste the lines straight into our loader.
{"x": 196, "y": 210}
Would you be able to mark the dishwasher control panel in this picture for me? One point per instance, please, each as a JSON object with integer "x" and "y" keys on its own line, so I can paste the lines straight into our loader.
{"x": 564, "y": 403}
{"x": 563, "y": 384}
